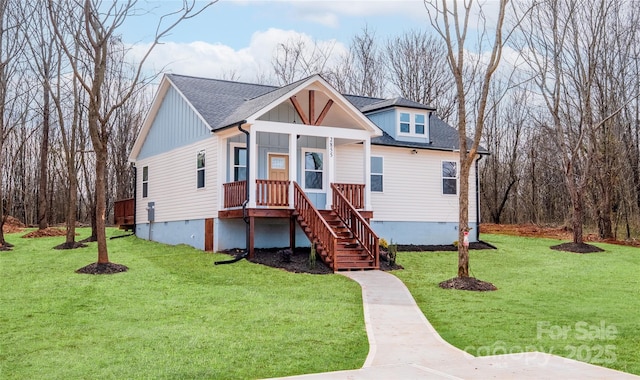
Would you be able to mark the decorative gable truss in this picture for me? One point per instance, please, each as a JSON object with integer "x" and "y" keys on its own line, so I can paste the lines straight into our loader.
{"x": 310, "y": 120}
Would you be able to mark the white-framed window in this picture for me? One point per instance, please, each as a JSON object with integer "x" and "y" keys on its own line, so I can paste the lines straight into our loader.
{"x": 449, "y": 177}
{"x": 238, "y": 162}
{"x": 200, "y": 169}
{"x": 419, "y": 123}
{"x": 377, "y": 174}
{"x": 313, "y": 170}
{"x": 145, "y": 181}
{"x": 412, "y": 123}
{"x": 405, "y": 122}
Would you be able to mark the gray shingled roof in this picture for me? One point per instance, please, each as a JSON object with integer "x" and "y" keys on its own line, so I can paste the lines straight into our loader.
{"x": 224, "y": 103}
{"x": 442, "y": 136}
{"x": 215, "y": 99}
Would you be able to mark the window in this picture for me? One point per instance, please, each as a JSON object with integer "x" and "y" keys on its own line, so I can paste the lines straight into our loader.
{"x": 239, "y": 163}
{"x": 376, "y": 174}
{"x": 313, "y": 171}
{"x": 405, "y": 119}
{"x": 419, "y": 119}
{"x": 145, "y": 181}
{"x": 413, "y": 124}
{"x": 449, "y": 177}
{"x": 200, "y": 169}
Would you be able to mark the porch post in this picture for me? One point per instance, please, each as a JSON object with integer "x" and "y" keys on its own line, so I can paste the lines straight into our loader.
{"x": 330, "y": 170}
{"x": 251, "y": 176}
{"x": 223, "y": 164}
{"x": 293, "y": 164}
{"x": 367, "y": 174}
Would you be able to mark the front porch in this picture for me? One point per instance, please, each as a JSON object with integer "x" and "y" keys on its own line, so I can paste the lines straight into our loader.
{"x": 342, "y": 235}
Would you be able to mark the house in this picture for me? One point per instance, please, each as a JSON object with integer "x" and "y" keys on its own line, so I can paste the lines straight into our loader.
{"x": 222, "y": 164}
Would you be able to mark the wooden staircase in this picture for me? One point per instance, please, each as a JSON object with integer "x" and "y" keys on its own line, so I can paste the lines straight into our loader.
{"x": 349, "y": 253}
{"x": 343, "y": 243}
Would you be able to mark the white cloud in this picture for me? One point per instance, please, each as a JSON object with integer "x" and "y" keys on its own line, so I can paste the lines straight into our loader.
{"x": 209, "y": 60}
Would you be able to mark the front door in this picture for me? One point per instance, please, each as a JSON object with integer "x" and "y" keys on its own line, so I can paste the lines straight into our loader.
{"x": 279, "y": 167}
{"x": 277, "y": 194}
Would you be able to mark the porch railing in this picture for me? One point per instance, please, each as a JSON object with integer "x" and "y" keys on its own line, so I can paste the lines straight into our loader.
{"x": 234, "y": 193}
{"x": 357, "y": 224}
{"x": 268, "y": 193}
{"x": 354, "y": 192}
{"x": 318, "y": 227}
{"x": 272, "y": 193}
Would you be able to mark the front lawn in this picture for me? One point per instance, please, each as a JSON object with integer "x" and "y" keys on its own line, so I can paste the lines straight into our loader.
{"x": 172, "y": 315}
{"x": 581, "y": 306}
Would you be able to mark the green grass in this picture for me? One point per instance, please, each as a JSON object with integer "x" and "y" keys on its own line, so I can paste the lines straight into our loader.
{"x": 173, "y": 315}
{"x": 541, "y": 292}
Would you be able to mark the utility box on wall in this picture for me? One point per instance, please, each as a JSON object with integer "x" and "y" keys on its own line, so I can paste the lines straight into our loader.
{"x": 151, "y": 211}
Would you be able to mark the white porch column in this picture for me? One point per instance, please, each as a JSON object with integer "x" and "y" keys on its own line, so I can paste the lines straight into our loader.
{"x": 367, "y": 174}
{"x": 293, "y": 164}
{"x": 253, "y": 167}
{"x": 330, "y": 169}
{"x": 223, "y": 164}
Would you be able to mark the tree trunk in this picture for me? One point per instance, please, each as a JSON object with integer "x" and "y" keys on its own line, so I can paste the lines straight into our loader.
{"x": 463, "y": 225}
{"x": 44, "y": 162}
{"x": 72, "y": 207}
{"x": 578, "y": 216}
{"x": 101, "y": 204}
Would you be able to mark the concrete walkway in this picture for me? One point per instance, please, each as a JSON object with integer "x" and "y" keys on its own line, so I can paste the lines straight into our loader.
{"x": 404, "y": 345}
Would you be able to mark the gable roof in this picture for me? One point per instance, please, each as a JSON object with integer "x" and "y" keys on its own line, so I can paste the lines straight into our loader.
{"x": 215, "y": 100}
{"x": 222, "y": 103}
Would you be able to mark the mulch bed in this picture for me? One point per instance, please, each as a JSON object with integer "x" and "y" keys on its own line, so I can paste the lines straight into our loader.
{"x": 577, "y": 248}
{"x": 12, "y": 225}
{"x": 73, "y": 245}
{"x": 47, "y": 232}
{"x": 297, "y": 262}
{"x": 108, "y": 268}
{"x": 467, "y": 283}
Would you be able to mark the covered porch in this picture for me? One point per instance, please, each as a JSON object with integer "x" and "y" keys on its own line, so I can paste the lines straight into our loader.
{"x": 342, "y": 236}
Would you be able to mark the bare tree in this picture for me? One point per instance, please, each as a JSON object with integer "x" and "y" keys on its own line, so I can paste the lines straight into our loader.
{"x": 101, "y": 22}
{"x": 298, "y": 58}
{"x": 451, "y": 22}
{"x": 567, "y": 40}
{"x": 41, "y": 46}
{"x": 12, "y": 110}
{"x": 360, "y": 71}
{"x": 503, "y": 135}
{"x": 417, "y": 64}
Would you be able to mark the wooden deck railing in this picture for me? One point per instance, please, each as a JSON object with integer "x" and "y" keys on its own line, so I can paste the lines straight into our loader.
{"x": 354, "y": 192}
{"x": 268, "y": 193}
{"x": 124, "y": 212}
{"x": 359, "y": 227}
{"x": 320, "y": 229}
{"x": 234, "y": 193}
{"x": 272, "y": 193}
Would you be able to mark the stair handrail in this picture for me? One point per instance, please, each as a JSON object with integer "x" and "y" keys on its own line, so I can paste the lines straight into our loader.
{"x": 358, "y": 225}
{"x": 318, "y": 225}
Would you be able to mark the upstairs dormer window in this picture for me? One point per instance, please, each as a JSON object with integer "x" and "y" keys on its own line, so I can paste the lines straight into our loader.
{"x": 405, "y": 122}
{"x": 419, "y": 118}
{"x": 412, "y": 124}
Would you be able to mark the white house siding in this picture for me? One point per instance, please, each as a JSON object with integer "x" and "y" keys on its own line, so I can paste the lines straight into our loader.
{"x": 349, "y": 163}
{"x": 413, "y": 187}
{"x": 172, "y": 184}
{"x": 412, "y": 208}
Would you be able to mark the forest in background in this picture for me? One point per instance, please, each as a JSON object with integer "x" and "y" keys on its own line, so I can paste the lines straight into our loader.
{"x": 562, "y": 124}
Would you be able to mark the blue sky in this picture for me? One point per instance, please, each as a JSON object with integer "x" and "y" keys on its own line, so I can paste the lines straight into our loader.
{"x": 239, "y": 35}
